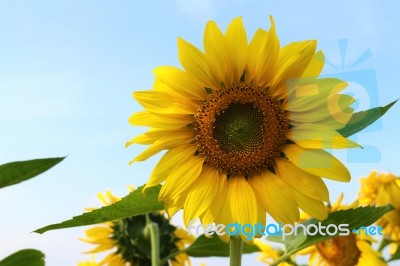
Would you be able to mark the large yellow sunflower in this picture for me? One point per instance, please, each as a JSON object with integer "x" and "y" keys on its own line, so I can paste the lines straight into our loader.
{"x": 382, "y": 189}
{"x": 245, "y": 125}
{"x": 349, "y": 250}
{"x": 125, "y": 240}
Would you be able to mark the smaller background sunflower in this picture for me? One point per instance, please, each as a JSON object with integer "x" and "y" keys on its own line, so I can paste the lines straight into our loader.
{"x": 350, "y": 250}
{"x": 382, "y": 189}
{"x": 129, "y": 245}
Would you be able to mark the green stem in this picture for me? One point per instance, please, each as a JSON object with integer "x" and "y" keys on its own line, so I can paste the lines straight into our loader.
{"x": 236, "y": 249}
{"x": 155, "y": 241}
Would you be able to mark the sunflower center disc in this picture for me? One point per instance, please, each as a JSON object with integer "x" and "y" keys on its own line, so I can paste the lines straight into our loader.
{"x": 239, "y": 127}
{"x": 340, "y": 251}
{"x": 240, "y": 130}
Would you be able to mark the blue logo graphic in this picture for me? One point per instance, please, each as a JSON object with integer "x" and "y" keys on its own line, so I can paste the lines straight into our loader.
{"x": 363, "y": 85}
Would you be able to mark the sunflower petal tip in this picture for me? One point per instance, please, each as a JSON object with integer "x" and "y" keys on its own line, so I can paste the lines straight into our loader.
{"x": 181, "y": 41}
{"x": 186, "y": 220}
{"x": 161, "y": 196}
{"x": 127, "y": 144}
{"x": 353, "y": 144}
{"x": 211, "y": 23}
{"x": 271, "y": 19}
{"x": 144, "y": 190}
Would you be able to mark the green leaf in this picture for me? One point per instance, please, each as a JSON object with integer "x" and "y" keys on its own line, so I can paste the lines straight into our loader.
{"x": 25, "y": 257}
{"x": 361, "y": 120}
{"x": 355, "y": 218}
{"x": 16, "y": 172}
{"x": 214, "y": 246}
{"x": 134, "y": 204}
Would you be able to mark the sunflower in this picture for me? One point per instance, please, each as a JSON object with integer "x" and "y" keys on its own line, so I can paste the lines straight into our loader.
{"x": 126, "y": 241}
{"x": 349, "y": 250}
{"x": 270, "y": 254}
{"x": 244, "y": 126}
{"x": 382, "y": 189}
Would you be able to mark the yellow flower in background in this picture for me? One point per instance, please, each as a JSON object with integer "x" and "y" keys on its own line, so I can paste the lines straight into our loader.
{"x": 126, "y": 243}
{"x": 269, "y": 254}
{"x": 350, "y": 250}
{"x": 382, "y": 189}
{"x": 184, "y": 239}
{"x": 245, "y": 125}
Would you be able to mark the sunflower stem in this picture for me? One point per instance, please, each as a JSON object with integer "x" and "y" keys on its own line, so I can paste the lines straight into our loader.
{"x": 236, "y": 249}
{"x": 155, "y": 241}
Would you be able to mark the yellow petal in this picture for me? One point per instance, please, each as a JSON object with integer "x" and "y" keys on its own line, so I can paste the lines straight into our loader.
{"x": 340, "y": 111}
{"x": 394, "y": 191}
{"x": 313, "y": 207}
{"x": 160, "y": 121}
{"x": 335, "y": 108}
{"x": 201, "y": 195}
{"x": 216, "y": 52}
{"x": 112, "y": 198}
{"x": 113, "y": 259}
{"x": 261, "y": 218}
{"x": 164, "y": 103}
{"x": 303, "y": 182}
{"x": 221, "y": 195}
{"x": 275, "y": 196}
{"x": 315, "y": 136}
{"x": 172, "y": 79}
{"x": 154, "y": 134}
{"x": 243, "y": 201}
{"x": 292, "y": 62}
{"x": 221, "y": 210}
{"x": 310, "y": 93}
{"x": 140, "y": 139}
{"x": 314, "y": 69}
{"x": 337, "y": 204}
{"x": 236, "y": 41}
{"x": 317, "y": 162}
{"x": 99, "y": 232}
{"x": 195, "y": 63}
{"x": 180, "y": 137}
{"x": 262, "y": 56}
{"x": 207, "y": 217}
{"x": 181, "y": 177}
{"x": 174, "y": 205}
{"x": 224, "y": 216}
{"x": 168, "y": 162}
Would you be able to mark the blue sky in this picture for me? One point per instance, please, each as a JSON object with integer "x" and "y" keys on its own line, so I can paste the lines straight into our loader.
{"x": 68, "y": 69}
